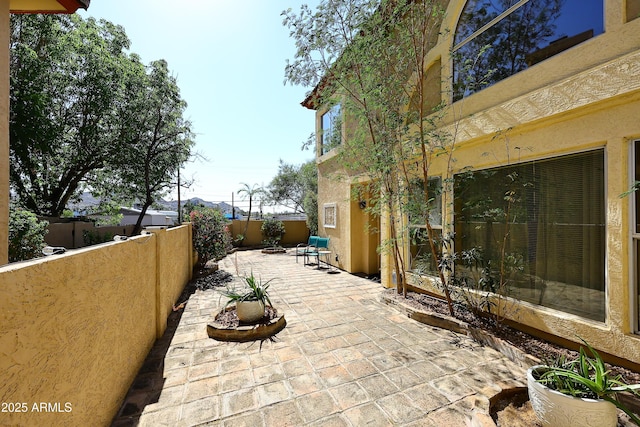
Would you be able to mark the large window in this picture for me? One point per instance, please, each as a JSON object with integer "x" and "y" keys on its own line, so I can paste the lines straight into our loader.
{"x": 540, "y": 226}
{"x": 419, "y": 209}
{"x": 635, "y": 233}
{"x": 331, "y": 129}
{"x": 498, "y": 38}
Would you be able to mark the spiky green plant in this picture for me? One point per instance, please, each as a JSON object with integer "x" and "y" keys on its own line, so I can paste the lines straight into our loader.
{"x": 587, "y": 377}
{"x": 255, "y": 290}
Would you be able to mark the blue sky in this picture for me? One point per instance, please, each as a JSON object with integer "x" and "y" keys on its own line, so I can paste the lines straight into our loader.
{"x": 228, "y": 57}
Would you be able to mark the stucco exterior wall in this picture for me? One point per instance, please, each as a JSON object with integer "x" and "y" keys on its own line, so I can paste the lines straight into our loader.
{"x": 76, "y": 328}
{"x": 585, "y": 98}
{"x": 334, "y": 187}
{"x": 611, "y": 128}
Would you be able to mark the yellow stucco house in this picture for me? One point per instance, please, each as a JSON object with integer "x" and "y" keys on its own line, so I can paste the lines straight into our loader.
{"x": 6, "y": 8}
{"x": 570, "y": 106}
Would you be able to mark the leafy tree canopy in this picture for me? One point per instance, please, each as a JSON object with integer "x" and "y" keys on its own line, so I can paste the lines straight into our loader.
{"x": 289, "y": 187}
{"x": 296, "y": 187}
{"x": 86, "y": 114}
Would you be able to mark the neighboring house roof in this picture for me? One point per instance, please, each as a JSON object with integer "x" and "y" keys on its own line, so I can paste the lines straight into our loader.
{"x": 133, "y": 211}
{"x": 47, "y": 6}
{"x": 151, "y": 217}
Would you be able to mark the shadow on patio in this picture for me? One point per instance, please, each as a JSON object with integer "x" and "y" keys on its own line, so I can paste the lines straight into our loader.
{"x": 345, "y": 358}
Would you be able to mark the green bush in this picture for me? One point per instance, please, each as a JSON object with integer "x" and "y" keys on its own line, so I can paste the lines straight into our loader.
{"x": 95, "y": 238}
{"x": 211, "y": 237}
{"x": 272, "y": 231}
{"x": 26, "y": 235}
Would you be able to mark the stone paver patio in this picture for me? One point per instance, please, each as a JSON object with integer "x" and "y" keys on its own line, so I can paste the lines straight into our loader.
{"x": 344, "y": 359}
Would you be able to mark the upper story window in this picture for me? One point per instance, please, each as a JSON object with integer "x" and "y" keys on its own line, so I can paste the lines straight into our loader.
{"x": 331, "y": 132}
{"x": 496, "y": 39}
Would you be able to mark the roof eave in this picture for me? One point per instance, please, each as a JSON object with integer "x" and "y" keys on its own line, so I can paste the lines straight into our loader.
{"x": 70, "y": 6}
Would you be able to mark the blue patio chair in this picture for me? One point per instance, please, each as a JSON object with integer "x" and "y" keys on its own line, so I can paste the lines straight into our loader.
{"x": 322, "y": 244}
{"x": 302, "y": 248}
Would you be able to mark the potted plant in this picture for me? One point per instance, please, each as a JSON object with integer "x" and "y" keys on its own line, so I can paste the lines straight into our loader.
{"x": 251, "y": 301}
{"x": 580, "y": 392}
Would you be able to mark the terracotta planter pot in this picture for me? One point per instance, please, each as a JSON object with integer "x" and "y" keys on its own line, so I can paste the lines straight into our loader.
{"x": 560, "y": 410}
{"x": 249, "y": 311}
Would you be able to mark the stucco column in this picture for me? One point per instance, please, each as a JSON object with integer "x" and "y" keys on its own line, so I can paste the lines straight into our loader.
{"x": 4, "y": 132}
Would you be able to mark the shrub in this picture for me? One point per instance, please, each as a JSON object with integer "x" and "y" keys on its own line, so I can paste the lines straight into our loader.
{"x": 272, "y": 230}
{"x": 95, "y": 238}
{"x": 26, "y": 235}
{"x": 211, "y": 238}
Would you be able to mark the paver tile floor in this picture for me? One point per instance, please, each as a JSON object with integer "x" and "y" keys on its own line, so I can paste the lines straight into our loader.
{"x": 344, "y": 359}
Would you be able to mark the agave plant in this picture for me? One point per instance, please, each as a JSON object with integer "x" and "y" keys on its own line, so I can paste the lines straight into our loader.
{"x": 587, "y": 377}
{"x": 255, "y": 290}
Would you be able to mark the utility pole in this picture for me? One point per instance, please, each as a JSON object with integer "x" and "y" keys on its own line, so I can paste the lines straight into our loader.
{"x": 179, "y": 207}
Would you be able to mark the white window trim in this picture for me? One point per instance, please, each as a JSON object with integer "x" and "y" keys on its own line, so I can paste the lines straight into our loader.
{"x": 325, "y": 208}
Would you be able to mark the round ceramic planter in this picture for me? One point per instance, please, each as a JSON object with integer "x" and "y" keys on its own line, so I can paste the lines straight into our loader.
{"x": 560, "y": 410}
{"x": 249, "y": 311}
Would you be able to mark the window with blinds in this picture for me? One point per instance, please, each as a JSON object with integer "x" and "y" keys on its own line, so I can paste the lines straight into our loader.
{"x": 540, "y": 226}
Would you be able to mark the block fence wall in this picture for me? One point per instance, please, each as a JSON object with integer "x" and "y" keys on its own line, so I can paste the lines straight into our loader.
{"x": 296, "y": 231}
{"x": 76, "y": 328}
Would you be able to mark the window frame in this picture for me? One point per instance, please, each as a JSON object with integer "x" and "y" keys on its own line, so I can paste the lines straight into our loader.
{"x": 552, "y": 48}
{"x": 605, "y": 265}
{"x": 327, "y": 207}
{"x": 335, "y": 123}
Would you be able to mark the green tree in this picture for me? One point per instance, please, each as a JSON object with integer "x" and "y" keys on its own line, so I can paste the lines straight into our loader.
{"x": 371, "y": 58}
{"x": 65, "y": 84}
{"x": 286, "y": 188}
{"x": 296, "y": 187}
{"x": 87, "y": 115}
{"x": 158, "y": 140}
{"x": 308, "y": 174}
{"x": 249, "y": 193}
{"x": 26, "y": 235}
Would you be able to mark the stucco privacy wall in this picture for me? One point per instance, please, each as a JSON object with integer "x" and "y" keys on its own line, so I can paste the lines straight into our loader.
{"x": 76, "y": 328}
{"x": 173, "y": 270}
{"x": 296, "y": 231}
{"x": 70, "y": 235}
